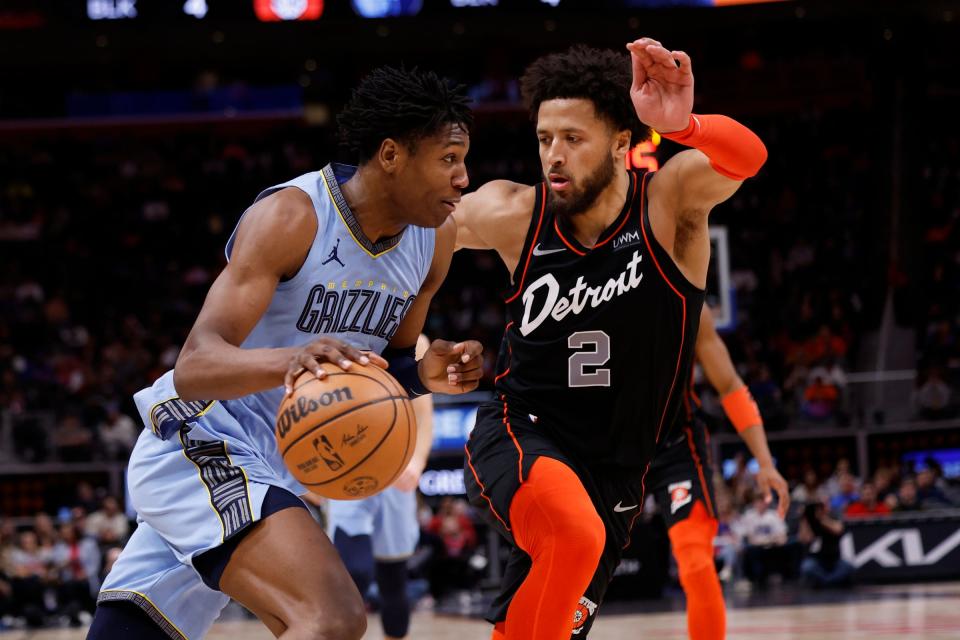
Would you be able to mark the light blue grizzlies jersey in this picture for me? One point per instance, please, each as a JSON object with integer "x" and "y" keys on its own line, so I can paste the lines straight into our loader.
{"x": 348, "y": 287}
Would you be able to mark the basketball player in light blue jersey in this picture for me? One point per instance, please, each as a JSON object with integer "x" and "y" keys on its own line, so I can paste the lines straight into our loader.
{"x": 337, "y": 266}
{"x": 375, "y": 536}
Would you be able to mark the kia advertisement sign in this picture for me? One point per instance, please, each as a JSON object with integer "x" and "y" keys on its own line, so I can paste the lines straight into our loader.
{"x": 920, "y": 548}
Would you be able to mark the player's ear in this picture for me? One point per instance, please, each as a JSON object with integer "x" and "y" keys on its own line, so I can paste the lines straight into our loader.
{"x": 389, "y": 155}
{"x": 621, "y": 143}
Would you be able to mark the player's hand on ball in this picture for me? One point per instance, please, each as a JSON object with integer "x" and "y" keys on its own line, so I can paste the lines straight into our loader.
{"x": 326, "y": 349}
{"x": 662, "y": 90}
{"x": 769, "y": 478}
{"x": 452, "y": 367}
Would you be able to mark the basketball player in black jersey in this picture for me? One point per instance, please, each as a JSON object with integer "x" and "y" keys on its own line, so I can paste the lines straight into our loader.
{"x": 608, "y": 269}
{"x": 680, "y": 480}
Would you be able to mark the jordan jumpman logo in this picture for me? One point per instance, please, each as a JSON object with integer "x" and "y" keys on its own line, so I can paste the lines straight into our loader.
{"x": 333, "y": 255}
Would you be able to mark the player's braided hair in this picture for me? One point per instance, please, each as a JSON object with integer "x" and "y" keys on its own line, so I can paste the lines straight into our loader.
{"x": 602, "y": 76}
{"x": 406, "y": 105}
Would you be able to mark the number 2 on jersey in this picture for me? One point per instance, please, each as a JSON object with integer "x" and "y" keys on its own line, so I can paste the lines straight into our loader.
{"x": 577, "y": 374}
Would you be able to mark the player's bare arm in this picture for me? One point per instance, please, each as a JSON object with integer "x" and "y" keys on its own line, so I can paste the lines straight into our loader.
{"x": 496, "y": 216}
{"x": 423, "y": 410}
{"x": 446, "y": 367}
{"x": 690, "y": 184}
{"x": 718, "y": 367}
{"x": 272, "y": 243}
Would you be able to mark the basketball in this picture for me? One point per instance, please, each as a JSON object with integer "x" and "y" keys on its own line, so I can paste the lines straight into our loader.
{"x": 349, "y": 435}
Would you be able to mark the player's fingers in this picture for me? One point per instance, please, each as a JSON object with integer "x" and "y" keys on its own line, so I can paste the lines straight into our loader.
{"x": 329, "y": 353}
{"x": 470, "y": 350}
{"x": 783, "y": 495}
{"x": 290, "y": 377}
{"x": 376, "y": 359}
{"x": 442, "y": 347}
{"x": 354, "y": 354}
{"x": 662, "y": 57}
{"x": 686, "y": 66}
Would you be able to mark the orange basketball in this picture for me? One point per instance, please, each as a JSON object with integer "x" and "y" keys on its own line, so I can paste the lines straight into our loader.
{"x": 349, "y": 435}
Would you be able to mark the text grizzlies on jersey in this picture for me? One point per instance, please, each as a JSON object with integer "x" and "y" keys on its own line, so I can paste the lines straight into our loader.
{"x": 580, "y": 294}
{"x": 353, "y": 310}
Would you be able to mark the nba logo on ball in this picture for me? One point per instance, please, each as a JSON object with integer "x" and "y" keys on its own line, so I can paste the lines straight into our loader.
{"x": 349, "y": 435}
{"x": 679, "y": 494}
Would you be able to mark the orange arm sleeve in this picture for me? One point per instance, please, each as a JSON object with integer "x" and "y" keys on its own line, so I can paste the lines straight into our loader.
{"x": 734, "y": 150}
{"x": 741, "y": 408}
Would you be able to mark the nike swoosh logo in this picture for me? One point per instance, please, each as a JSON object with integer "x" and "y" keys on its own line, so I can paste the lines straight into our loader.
{"x": 537, "y": 251}
{"x": 620, "y": 509}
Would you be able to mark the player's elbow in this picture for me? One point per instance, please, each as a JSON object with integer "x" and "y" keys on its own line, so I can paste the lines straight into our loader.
{"x": 184, "y": 374}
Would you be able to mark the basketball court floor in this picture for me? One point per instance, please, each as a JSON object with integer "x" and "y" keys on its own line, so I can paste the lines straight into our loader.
{"x": 906, "y": 612}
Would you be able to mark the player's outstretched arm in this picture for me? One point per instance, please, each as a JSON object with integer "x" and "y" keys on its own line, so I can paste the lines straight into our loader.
{"x": 495, "y": 216}
{"x": 447, "y": 367}
{"x": 724, "y": 151}
{"x": 271, "y": 243}
{"x": 739, "y": 406}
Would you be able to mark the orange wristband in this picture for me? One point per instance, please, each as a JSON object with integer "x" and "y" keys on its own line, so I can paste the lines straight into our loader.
{"x": 734, "y": 150}
{"x": 741, "y": 408}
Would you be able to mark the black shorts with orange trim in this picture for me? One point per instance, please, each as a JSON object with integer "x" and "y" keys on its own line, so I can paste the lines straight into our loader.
{"x": 681, "y": 473}
{"x": 504, "y": 444}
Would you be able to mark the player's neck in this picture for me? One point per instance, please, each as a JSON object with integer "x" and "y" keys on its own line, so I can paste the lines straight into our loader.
{"x": 590, "y": 225}
{"x": 370, "y": 205}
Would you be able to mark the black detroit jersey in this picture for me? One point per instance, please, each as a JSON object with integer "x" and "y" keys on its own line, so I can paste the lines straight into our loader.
{"x": 600, "y": 342}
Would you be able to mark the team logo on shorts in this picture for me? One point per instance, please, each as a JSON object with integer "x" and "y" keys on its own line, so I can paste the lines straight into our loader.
{"x": 679, "y": 494}
{"x": 585, "y": 609}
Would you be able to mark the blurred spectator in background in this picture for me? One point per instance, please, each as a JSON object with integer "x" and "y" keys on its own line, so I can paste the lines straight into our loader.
{"x": 809, "y": 490}
{"x": 86, "y": 498}
{"x": 822, "y": 566}
{"x": 76, "y": 559}
{"x": 451, "y": 568}
{"x": 868, "y": 503}
{"x": 933, "y": 398}
{"x": 73, "y": 440}
{"x": 906, "y": 498}
{"x": 766, "y": 548}
{"x": 820, "y": 398}
{"x": 29, "y": 573}
{"x": 846, "y": 493}
{"x": 117, "y": 434}
{"x": 109, "y": 526}
{"x": 929, "y": 495}
{"x": 45, "y": 531}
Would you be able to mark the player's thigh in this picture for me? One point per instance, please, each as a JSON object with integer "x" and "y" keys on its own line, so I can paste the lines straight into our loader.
{"x": 287, "y": 569}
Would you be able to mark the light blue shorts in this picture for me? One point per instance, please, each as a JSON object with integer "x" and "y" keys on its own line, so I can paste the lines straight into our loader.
{"x": 191, "y": 493}
{"x": 389, "y": 518}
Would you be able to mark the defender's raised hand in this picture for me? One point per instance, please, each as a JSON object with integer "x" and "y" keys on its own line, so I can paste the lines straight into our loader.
{"x": 662, "y": 90}
{"x": 452, "y": 367}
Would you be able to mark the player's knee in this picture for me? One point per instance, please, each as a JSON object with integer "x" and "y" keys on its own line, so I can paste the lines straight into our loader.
{"x": 581, "y": 536}
{"x": 348, "y": 621}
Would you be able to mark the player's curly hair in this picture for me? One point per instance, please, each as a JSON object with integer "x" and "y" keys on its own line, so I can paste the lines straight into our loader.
{"x": 406, "y": 105}
{"x": 602, "y": 76}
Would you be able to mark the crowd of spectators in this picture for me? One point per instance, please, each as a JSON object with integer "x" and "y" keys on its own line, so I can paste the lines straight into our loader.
{"x": 51, "y": 568}
{"x": 753, "y": 543}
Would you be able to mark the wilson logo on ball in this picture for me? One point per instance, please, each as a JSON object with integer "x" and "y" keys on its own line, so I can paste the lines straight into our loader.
{"x": 305, "y": 406}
